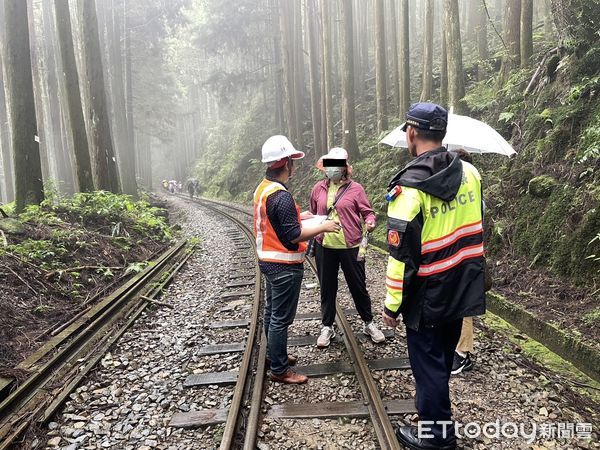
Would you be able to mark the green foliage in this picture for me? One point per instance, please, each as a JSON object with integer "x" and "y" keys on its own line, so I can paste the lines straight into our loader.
{"x": 506, "y": 116}
{"x": 136, "y": 267}
{"x": 589, "y": 144}
{"x": 482, "y": 97}
{"x": 585, "y": 87}
{"x": 541, "y": 187}
{"x": 230, "y": 165}
{"x": 118, "y": 212}
{"x": 101, "y": 211}
{"x": 592, "y": 318}
{"x": 43, "y": 251}
{"x": 594, "y": 257}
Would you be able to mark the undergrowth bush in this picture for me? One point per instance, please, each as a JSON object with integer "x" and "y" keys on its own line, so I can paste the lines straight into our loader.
{"x": 105, "y": 210}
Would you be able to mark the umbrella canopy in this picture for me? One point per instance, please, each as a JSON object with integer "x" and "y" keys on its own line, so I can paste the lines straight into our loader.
{"x": 463, "y": 132}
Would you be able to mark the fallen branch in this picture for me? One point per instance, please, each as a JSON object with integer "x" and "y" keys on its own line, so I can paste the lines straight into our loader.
{"x": 4, "y": 241}
{"x": 22, "y": 280}
{"x": 156, "y": 302}
{"x": 538, "y": 71}
{"x": 3, "y": 213}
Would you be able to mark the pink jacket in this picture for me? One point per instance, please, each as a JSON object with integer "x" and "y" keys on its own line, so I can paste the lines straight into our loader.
{"x": 352, "y": 208}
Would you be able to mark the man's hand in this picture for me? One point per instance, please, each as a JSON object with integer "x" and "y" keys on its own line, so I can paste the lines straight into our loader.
{"x": 389, "y": 321}
{"x": 306, "y": 215}
{"x": 370, "y": 225}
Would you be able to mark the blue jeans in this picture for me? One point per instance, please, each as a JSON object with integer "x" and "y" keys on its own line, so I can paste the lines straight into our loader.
{"x": 283, "y": 291}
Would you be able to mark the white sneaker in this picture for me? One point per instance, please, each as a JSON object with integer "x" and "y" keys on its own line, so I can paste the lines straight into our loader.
{"x": 324, "y": 339}
{"x": 375, "y": 333}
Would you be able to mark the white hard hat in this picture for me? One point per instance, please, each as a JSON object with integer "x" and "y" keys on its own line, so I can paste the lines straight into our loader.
{"x": 277, "y": 148}
{"x": 334, "y": 153}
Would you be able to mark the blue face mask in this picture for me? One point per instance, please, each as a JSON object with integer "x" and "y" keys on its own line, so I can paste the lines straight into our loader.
{"x": 335, "y": 174}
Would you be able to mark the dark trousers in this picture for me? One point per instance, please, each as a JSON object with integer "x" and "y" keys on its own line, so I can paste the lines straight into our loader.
{"x": 431, "y": 352}
{"x": 328, "y": 265}
{"x": 283, "y": 291}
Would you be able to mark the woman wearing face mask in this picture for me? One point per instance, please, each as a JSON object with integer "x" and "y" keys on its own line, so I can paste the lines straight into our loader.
{"x": 345, "y": 202}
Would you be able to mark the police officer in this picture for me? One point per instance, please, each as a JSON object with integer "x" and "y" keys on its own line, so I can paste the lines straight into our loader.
{"x": 435, "y": 273}
{"x": 280, "y": 244}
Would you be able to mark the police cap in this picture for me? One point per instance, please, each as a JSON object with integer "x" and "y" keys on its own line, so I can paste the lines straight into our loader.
{"x": 426, "y": 116}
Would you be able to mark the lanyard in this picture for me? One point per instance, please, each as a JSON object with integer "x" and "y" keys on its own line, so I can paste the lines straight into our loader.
{"x": 337, "y": 198}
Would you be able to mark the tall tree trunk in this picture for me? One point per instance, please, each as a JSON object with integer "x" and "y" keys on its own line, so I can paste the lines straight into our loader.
{"x": 129, "y": 95}
{"x": 315, "y": 88}
{"x": 287, "y": 22}
{"x": 512, "y": 31}
{"x": 427, "y": 80}
{"x": 126, "y": 154}
{"x": 40, "y": 91}
{"x": 394, "y": 53}
{"x": 456, "y": 81}
{"x": 350, "y": 143}
{"x": 404, "y": 58}
{"x": 5, "y": 131}
{"x": 363, "y": 36}
{"x": 472, "y": 20}
{"x": 75, "y": 108}
{"x": 380, "y": 68}
{"x": 526, "y": 32}
{"x": 548, "y": 23}
{"x": 299, "y": 84}
{"x": 277, "y": 69}
{"x": 56, "y": 92}
{"x": 481, "y": 36}
{"x": 336, "y": 37}
{"x": 105, "y": 169}
{"x": 444, "y": 67}
{"x": 28, "y": 168}
{"x": 328, "y": 71}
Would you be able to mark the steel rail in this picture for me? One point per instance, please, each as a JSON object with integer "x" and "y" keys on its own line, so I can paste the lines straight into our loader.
{"x": 243, "y": 385}
{"x": 382, "y": 425}
{"x": 61, "y": 355}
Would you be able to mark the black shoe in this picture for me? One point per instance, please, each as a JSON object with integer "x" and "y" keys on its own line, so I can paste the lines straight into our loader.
{"x": 461, "y": 364}
{"x": 408, "y": 437}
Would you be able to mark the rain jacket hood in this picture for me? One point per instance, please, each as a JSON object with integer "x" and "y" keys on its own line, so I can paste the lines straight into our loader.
{"x": 437, "y": 172}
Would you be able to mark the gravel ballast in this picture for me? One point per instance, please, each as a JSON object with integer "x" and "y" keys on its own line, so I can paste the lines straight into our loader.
{"x": 128, "y": 401}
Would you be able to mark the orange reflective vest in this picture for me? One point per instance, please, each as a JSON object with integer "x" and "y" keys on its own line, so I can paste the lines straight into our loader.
{"x": 268, "y": 245}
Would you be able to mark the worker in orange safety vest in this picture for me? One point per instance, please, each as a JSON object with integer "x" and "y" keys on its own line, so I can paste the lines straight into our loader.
{"x": 280, "y": 245}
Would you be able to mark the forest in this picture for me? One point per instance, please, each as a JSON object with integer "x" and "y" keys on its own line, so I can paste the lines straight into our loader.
{"x": 117, "y": 95}
{"x": 111, "y": 109}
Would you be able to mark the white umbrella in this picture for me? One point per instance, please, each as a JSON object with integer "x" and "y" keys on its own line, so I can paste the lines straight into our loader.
{"x": 463, "y": 132}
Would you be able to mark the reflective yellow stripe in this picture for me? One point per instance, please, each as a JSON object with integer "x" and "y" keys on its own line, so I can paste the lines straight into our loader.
{"x": 279, "y": 256}
{"x": 449, "y": 263}
{"x": 394, "y": 284}
{"x": 437, "y": 244}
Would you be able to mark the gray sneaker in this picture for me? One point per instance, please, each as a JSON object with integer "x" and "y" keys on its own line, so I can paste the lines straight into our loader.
{"x": 324, "y": 339}
{"x": 374, "y": 333}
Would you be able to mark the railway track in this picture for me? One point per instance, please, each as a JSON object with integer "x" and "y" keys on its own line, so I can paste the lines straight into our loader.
{"x": 243, "y": 418}
{"x": 60, "y": 364}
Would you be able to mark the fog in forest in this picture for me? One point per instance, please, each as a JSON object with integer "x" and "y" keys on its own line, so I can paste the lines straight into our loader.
{"x": 127, "y": 93}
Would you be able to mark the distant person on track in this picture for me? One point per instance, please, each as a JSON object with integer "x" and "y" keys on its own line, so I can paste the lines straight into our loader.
{"x": 346, "y": 202}
{"x": 435, "y": 273}
{"x": 280, "y": 244}
{"x": 192, "y": 187}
